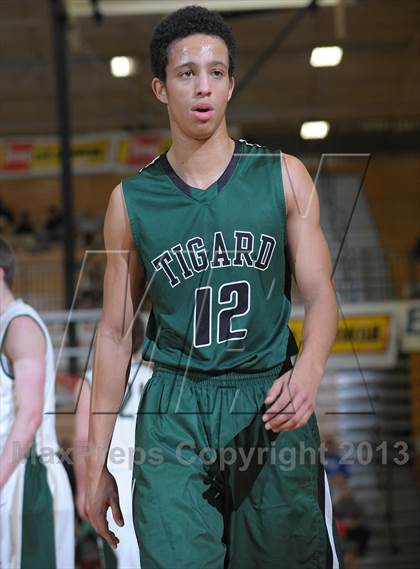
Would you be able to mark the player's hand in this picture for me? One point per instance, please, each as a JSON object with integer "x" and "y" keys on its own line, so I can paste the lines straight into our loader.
{"x": 102, "y": 496}
{"x": 291, "y": 399}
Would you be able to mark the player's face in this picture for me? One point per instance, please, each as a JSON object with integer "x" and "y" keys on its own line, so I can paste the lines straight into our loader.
{"x": 197, "y": 87}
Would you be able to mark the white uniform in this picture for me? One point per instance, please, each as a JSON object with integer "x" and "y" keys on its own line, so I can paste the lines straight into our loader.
{"x": 120, "y": 462}
{"x": 36, "y": 503}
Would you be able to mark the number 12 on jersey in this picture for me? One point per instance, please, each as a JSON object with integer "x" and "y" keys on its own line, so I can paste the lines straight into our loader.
{"x": 239, "y": 293}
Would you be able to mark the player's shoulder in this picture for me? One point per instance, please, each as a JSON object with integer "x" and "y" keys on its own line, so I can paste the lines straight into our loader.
{"x": 148, "y": 171}
{"x": 23, "y": 324}
{"x": 255, "y": 157}
{"x": 117, "y": 232}
{"x": 293, "y": 164}
{"x": 297, "y": 182}
{"x": 294, "y": 173}
{"x": 249, "y": 147}
{"x": 19, "y": 310}
{"x": 25, "y": 336}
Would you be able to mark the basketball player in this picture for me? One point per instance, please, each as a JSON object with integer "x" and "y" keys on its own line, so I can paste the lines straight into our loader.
{"x": 36, "y": 504}
{"x": 210, "y": 228}
{"x": 120, "y": 461}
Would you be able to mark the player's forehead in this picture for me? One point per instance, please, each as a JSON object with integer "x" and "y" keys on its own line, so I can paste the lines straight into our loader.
{"x": 199, "y": 49}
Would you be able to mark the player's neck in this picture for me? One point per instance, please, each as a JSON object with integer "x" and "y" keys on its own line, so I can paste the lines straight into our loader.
{"x": 200, "y": 162}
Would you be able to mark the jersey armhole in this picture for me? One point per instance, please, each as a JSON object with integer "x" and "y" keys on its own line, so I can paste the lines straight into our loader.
{"x": 8, "y": 371}
{"x": 283, "y": 194}
{"x": 130, "y": 221}
{"x": 132, "y": 226}
{"x": 282, "y": 182}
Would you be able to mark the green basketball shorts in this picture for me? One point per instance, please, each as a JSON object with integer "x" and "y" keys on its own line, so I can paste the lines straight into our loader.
{"x": 213, "y": 489}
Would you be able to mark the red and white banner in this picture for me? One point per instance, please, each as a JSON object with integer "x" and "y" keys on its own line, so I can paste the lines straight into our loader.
{"x": 93, "y": 153}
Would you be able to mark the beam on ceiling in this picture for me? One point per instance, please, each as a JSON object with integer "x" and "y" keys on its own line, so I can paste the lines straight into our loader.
{"x": 85, "y": 8}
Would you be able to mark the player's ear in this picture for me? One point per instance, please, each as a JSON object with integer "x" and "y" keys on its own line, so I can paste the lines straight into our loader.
{"x": 159, "y": 90}
{"x": 231, "y": 87}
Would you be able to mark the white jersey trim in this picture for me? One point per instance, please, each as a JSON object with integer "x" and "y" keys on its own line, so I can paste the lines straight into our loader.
{"x": 329, "y": 522}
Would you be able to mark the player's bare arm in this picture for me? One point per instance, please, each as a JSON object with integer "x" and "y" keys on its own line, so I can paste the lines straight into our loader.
{"x": 80, "y": 445}
{"x": 25, "y": 349}
{"x": 113, "y": 348}
{"x": 291, "y": 400}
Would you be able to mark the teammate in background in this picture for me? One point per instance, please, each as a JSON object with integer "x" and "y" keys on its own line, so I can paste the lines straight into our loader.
{"x": 36, "y": 503}
{"x": 120, "y": 460}
{"x": 210, "y": 227}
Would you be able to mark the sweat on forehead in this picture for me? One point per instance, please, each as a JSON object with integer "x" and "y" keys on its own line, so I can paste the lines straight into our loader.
{"x": 198, "y": 47}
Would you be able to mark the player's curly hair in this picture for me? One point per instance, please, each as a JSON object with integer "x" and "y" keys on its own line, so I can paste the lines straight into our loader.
{"x": 183, "y": 23}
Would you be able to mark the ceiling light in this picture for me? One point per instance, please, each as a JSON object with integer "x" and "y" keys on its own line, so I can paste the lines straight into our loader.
{"x": 123, "y": 66}
{"x": 314, "y": 130}
{"x": 326, "y": 56}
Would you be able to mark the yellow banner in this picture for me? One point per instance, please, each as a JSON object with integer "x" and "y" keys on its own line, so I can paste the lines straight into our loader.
{"x": 84, "y": 153}
{"x": 369, "y": 333}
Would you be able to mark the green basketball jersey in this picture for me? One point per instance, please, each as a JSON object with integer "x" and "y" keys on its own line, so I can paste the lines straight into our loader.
{"x": 215, "y": 264}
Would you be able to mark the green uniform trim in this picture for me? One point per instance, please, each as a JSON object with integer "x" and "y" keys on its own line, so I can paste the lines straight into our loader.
{"x": 108, "y": 557}
{"x": 38, "y": 542}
